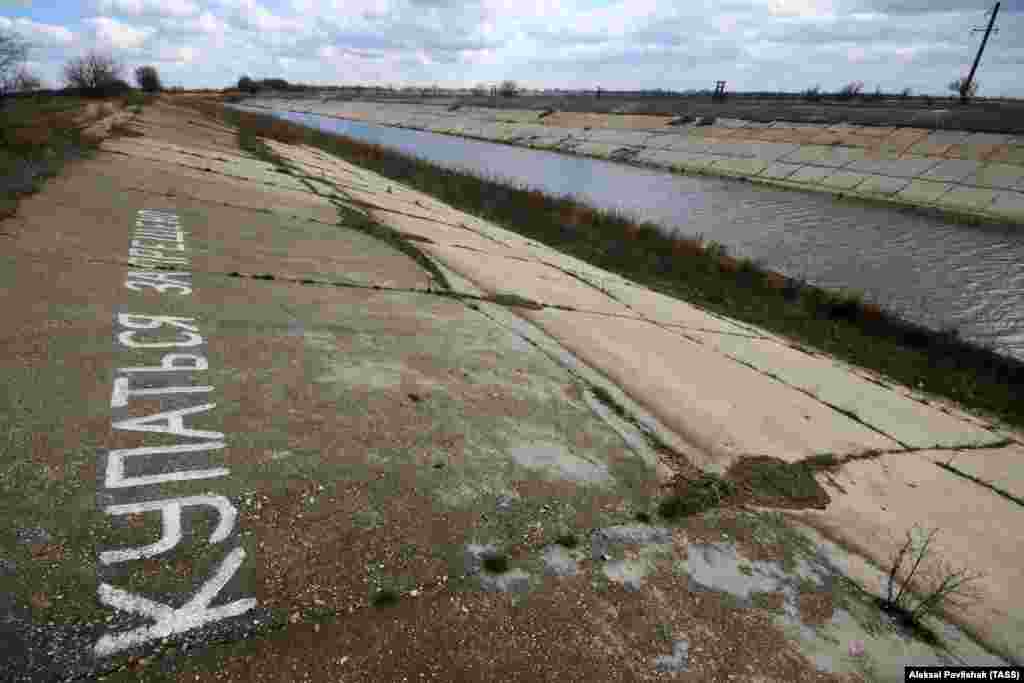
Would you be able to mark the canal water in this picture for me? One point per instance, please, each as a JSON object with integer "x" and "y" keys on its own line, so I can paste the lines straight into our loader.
{"x": 931, "y": 271}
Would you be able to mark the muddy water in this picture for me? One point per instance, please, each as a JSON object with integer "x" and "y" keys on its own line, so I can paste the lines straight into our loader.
{"x": 932, "y": 271}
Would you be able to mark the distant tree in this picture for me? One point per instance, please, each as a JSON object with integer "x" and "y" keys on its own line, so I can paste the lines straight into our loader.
{"x": 479, "y": 89}
{"x": 13, "y": 52}
{"x": 906, "y": 93}
{"x": 813, "y": 94}
{"x": 508, "y": 88}
{"x": 246, "y": 84}
{"x": 96, "y": 73}
{"x": 959, "y": 86}
{"x": 148, "y": 79}
{"x": 851, "y": 90}
{"x": 275, "y": 84}
{"x": 20, "y": 80}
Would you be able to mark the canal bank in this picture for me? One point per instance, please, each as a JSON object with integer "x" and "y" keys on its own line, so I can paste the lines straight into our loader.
{"x": 971, "y": 175}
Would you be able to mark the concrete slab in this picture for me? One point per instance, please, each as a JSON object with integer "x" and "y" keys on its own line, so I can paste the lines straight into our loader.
{"x": 770, "y": 152}
{"x": 875, "y": 502}
{"x": 951, "y": 171}
{"x": 820, "y": 155}
{"x": 812, "y": 175}
{"x": 909, "y": 422}
{"x": 663, "y": 140}
{"x": 899, "y": 168}
{"x": 1003, "y": 468}
{"x": 621, "y": 138}
{"x": 596, "y": 149}
{"x": 740, "y": 150}
{"x": 995, "y": 175}
{"x": 969, "y": 197}
{"x": 974, "y": 152}
{"x": 686, "y": 143}
{"x": 1009, "y": 203}
{"x": 947, "y": 137}
{"x": 844, "y": 180}
{"x": 880, "y": 184}
{"x": 738, "y": 167}
{"x": 1010, "y": 154}
{"x": 924, "y": 191}
{"x": 723, "y": 408}
{"x": 779, "y": 170}
{"x": 497, "y": 274}
{"x": 667, "y": 310}
{"x": 675, "y": 159}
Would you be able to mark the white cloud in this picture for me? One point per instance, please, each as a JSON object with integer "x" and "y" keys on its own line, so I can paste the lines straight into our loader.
{"x": 754, "y": 44}
{"x": 157, "y": 8}
{"x": 113, "y": 33}
{"x": 41, "y": 35}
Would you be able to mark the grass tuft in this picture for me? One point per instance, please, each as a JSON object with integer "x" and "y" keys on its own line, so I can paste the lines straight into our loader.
{"x": 568, "y": 540}
{"x": 385, "y": 597}
{"x": 692, "y": 497}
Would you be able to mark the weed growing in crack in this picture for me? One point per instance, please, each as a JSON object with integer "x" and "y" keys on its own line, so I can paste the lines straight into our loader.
{"x": 920, "y": 584}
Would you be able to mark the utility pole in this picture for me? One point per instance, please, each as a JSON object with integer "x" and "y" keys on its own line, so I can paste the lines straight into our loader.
{"x": 981, "y": 48}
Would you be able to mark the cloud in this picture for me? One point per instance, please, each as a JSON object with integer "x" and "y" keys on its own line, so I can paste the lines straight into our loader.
{"x": 754, "y": 44}
{"x": 112, "y": 33}
{"x": 155, "y": 8}
{"x": 37, "y": 34}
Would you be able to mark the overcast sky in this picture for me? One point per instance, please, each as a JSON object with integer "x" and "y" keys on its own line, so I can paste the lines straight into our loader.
{"x": 628, "y": 44}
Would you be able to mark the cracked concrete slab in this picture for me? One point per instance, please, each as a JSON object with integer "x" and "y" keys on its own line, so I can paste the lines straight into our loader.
{"x": 900, "y": 418}
{"x": 543, "y": 284}
{"x": 876, "y": 501}
{"x": 724, "y": 408}
{"x": 1003, "y": 467}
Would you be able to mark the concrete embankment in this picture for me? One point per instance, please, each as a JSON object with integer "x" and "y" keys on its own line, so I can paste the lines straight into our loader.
{"x": 974, "y": 174}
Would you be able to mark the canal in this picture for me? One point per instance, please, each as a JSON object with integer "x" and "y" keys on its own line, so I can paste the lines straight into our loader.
{"x": 934, "y": 272}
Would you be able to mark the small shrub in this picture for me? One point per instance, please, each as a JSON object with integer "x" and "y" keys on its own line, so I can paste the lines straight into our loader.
{"x": 850, "y": 90}
{"x": 813, "y": 94}
{"x": 938, "y": 584}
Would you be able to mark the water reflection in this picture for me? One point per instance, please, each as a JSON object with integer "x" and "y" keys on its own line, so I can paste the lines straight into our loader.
{"x": 932, "y": 271}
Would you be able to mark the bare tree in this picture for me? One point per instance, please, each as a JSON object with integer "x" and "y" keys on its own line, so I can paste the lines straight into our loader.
{"x": 851, "y": 90}
{"x": 13, "y": 51}
{"x": 93, "y": 72}
{"x": 148, "y": 79}
{"x": 21, "y": 79}
{"x": 508, "y": 88}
